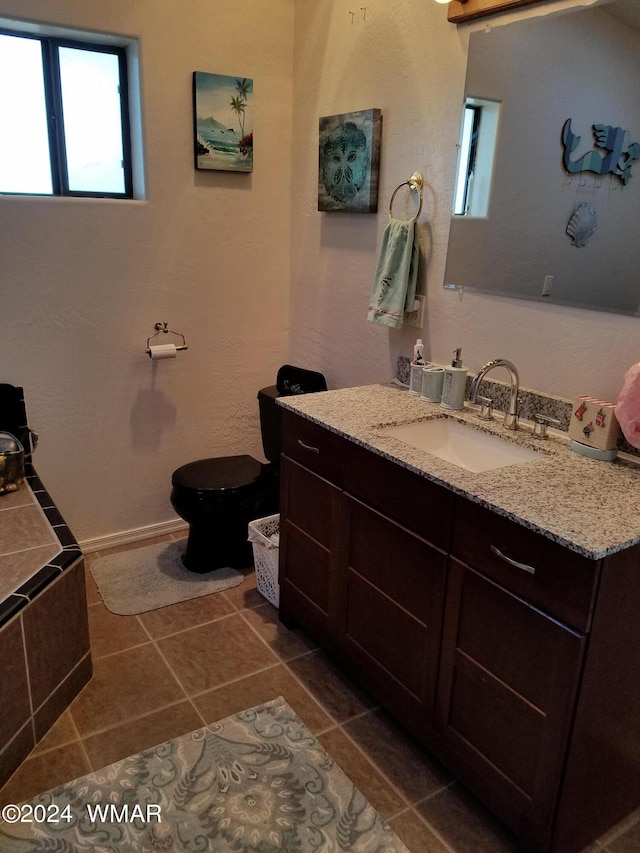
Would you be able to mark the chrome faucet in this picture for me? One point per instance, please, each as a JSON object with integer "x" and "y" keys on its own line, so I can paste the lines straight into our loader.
{"x": 510, "y": 416}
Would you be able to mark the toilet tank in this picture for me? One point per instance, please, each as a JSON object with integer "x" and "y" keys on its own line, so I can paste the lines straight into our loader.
{"x": 270, "y": 426}
{"x": 289, "y": 381}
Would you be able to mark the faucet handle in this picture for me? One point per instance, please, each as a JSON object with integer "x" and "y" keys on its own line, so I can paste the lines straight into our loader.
{"x": 486, "y": 410}
{"x": 540, "y": 424}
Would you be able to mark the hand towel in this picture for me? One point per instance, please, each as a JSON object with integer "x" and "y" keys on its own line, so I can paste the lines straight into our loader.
{"x": 394, "y": 286}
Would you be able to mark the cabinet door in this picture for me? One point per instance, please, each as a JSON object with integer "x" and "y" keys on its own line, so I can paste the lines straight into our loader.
{"x": 391, "y": 602}
{"x": 309, "y": 530}
{"x": 508, "y": 679}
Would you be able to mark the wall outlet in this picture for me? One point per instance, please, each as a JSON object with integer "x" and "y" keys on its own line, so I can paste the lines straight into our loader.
{"x": 547, "y": 285}
{"x": 415, "y": 317}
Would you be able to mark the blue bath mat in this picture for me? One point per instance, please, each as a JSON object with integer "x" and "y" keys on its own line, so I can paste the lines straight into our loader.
{"x": 151, "y": 577}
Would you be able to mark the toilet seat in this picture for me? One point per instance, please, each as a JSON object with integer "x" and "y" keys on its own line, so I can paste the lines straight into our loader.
{"x": 218, "y": 497}
{"x": 225, "y": 477}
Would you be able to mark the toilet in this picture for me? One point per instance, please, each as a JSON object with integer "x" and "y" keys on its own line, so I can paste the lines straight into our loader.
{"x": 218, "y": 497}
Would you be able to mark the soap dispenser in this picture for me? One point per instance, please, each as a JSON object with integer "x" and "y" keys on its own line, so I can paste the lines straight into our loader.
{"x": 454, "y": 386}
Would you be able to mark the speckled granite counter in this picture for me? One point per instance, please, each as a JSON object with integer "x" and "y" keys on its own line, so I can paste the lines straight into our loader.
{"x": 589, "y": 506}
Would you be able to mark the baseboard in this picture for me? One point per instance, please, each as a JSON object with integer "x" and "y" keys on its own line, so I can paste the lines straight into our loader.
{"x": 127, "y": 537}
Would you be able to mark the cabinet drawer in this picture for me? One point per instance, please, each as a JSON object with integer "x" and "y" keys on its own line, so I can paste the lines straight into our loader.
{"x": 550, "y": 576}
{"x": 313, "y": 446}
{"x": 415, "y": 502}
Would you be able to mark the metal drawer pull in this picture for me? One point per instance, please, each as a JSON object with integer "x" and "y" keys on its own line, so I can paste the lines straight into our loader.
{"x": 308, "y": 446}
{"x": 523, "y": 566}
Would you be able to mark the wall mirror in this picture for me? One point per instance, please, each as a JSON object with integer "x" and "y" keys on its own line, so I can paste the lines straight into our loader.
{"x": 582, "y": 65}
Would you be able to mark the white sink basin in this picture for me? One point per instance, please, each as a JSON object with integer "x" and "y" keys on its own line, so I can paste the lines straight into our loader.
{"x": 461, "y": 444}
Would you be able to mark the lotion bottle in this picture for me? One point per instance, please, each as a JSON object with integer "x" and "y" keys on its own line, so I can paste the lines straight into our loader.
{"x": 415, "y": 377}
{"x": 455, "y": 383}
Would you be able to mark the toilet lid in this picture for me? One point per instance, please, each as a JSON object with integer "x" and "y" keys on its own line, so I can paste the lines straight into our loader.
{"x": 218, "y": 474}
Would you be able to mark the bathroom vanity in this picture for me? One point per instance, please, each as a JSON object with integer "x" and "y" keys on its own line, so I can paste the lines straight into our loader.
{"x": 493, "y": 613}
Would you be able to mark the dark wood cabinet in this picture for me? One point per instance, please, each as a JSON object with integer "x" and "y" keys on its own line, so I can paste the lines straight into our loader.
{"x": 390, "y": 602}
{"x": 514, "y": 658}
{"x": 508, "y": 681}
{"x": 309, "y": 535}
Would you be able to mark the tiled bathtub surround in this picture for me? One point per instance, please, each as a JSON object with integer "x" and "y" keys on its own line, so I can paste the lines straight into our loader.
{"x": 36, "y": 545}
{"x": 530, "y": 403}
{"x": 27, "y": 541}
{"x": 44, "y": 640}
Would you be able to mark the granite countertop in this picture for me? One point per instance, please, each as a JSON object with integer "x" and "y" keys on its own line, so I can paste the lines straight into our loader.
{"x": 589, "y": 506}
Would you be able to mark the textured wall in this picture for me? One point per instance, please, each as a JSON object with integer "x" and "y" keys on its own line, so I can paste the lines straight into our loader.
{"x": 216, "y": 254}
{"x": 408, "y": 60}
{"x": 83, "y": 282}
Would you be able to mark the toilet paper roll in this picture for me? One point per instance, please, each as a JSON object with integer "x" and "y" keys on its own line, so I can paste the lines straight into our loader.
{"x": 162, "y": 351}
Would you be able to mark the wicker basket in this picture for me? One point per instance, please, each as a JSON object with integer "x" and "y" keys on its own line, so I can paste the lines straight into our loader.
{"x": 264, "y": 535}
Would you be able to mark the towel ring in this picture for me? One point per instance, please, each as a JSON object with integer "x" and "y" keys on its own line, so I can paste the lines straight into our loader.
{"x": 415, "y": 184}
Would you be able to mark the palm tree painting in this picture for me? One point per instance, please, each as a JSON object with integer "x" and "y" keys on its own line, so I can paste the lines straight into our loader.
{"x": 223, "y": 131}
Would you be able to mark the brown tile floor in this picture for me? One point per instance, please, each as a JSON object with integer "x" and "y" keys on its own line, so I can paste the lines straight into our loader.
{"x": 167, "y": 672}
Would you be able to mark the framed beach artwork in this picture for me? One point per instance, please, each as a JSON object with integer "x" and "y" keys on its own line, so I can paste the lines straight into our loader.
{"x": 223, "y": 123}
{"x": 349, "y": 161}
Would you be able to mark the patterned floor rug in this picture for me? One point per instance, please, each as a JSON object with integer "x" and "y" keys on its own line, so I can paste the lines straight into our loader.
{"x": 142, "y": 579}
{"x": 256, "y": 782}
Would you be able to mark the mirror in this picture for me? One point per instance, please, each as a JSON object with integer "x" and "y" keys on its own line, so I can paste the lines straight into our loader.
{"x": 551, "y": 234}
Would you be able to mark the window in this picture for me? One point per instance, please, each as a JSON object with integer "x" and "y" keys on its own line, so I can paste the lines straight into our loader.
{"x": 476, "y": 153}
{"x": 467, "y": 158}
{"x": 65, "y": 117}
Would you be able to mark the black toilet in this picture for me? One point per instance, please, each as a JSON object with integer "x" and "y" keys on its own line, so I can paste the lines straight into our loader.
{"x": 218, "y": 497}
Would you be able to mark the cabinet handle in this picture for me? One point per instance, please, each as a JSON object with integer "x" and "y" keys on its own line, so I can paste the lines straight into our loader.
{"x": 308, "y": 446}
{"x": 523, "y": 566}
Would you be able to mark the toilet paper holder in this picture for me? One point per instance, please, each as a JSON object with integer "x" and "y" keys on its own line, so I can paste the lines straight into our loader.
{"x": 163, "y": 328}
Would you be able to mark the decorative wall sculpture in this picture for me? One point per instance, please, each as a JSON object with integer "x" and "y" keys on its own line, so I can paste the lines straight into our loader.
{"x": 615, "y": 141}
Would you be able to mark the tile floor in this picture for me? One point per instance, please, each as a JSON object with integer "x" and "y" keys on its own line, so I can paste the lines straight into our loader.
{"x": 169, "y": 671}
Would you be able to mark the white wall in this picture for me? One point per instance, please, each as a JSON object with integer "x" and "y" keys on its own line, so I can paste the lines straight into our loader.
{"x": 408, "y": 60}
{"x": 83, "y": 282}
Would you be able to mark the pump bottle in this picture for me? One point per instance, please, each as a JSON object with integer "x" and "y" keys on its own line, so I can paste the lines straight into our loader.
{"x": 454, "y": 385}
